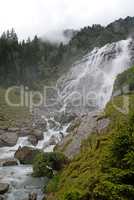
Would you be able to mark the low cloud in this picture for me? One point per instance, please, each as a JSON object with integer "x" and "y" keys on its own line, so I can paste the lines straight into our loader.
{"x": 48, "y": 18}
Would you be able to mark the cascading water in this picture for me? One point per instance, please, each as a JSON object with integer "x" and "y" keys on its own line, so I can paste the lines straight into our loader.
{"x": 89, "y": 83}
{"x": 86, "y": 87}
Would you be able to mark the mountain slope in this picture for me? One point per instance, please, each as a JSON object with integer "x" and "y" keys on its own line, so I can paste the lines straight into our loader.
{"x": 37, "y": 62}
{"x": 103, "y": 170}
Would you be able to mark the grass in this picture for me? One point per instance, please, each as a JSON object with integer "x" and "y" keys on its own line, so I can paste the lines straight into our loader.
{"x": 12, "y": 116}
{"x": 84, "y": 173}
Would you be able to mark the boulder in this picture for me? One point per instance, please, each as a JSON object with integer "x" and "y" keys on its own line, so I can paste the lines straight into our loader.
{"x": 8, "y": 162}
{"x": 26, "y": 155}
{"x": 37, "y": 133}
{"x": 102, "y": 124}
{"x": 32, "y": 196}
{"x": 2, "y": 131}
{"x": 4, "y": 188}
{"x": 41, "y": 124}
{"x": 65, "y": 118}
{"x": 2, "y": 197}
{"x": 13, "y": 129}
{"x": 52, "y": 124}
{"x": 44, "y": 198}
{"x": 24, "y": 131}
{"x": 8, "y": 139}
{"x": 52, "y": 140}
{"x": 33, "y": 140}
{"x": 75, "y": 124}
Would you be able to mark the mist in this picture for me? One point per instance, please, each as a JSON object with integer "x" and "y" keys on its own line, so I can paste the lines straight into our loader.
{"x": 49, "y": 18}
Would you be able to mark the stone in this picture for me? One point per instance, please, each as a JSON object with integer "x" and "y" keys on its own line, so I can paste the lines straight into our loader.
{"x": 4, "y": 188}
{"x": 8, "y": 139}
{"x": 65, "y": 118}
{"x": 26, "y": 155}
{"x": 102, "y": 124}
{"x": 2, "y": 131}
{"x": 44, "y": 198}
{"x": 2, "y": 197}
{"x": 52, "y": 124}
{"x": 24, "y": 131}
{"x": 52, "y": 140}
{"x": 37, "y": 133}
{"x": 41, "y": 124}
{"x": 32, "y": 196}
{"x": 8, "y": 162}
{"x": 73, "y": 125}
{"x": 13, "y": 129}
{"x": 33, "y": 140}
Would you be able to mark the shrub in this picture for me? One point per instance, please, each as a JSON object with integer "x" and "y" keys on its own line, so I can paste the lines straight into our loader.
{"x": 45, "y": 163}
{"x": 76, "y": 195}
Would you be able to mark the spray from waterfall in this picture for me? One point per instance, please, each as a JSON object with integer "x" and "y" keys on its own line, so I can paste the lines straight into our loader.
{"x": 89, "y": 83}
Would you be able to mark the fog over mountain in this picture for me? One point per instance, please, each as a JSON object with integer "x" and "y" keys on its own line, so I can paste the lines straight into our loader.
{"x": 49, "y": 18}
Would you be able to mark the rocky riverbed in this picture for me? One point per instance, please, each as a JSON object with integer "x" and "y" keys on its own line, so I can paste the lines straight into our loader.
{"x": 18, "y": 147}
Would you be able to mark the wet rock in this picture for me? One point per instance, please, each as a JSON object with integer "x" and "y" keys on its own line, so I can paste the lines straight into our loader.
{"x": 2, "y": 198}
{"x": 8, "y": 162}
{"x": 70, "y": 145}
{"x": 52, "y": 124}
{"x": 52, "y": 140}
{"x": 26, "y": 155}
{"x": 37, "y": 133}
{"x": 13, "y": 129}
{"x": 33, "y": 140}
{"x": 24, "y": 131}
{"x": 4, "y": 188}
{"x": 61, "y": 134}
{"x": 65, "y": 118}
{"x": 75, "y": 124}
{"x": 8, "y": 139}
{"x": 2, "y": 131}
{"x": 44, "y": 198}
{"x": 32, "y": 196}
{"x": 102, "y": 124}
{"x": 41, "y": 124}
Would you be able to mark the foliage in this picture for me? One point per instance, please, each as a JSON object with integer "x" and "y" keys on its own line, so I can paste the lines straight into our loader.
{"x": 125, "y": 79}
{"x": 106, "y": 173}
{"x": 37, "y": 62}
{"x": 45, "y": 163}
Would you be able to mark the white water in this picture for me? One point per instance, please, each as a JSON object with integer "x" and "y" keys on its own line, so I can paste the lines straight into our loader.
{"x": 19, "y": 177}
{"x": 92, "y": 77}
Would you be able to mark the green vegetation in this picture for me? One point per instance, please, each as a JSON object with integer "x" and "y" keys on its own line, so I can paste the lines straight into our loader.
{"x": 125, "y": 79}
{"x": 105, "y": 172}
{"x": 12, "y": 116}
{"x": 36, "y": 62}
{"x": 45, "y": 163}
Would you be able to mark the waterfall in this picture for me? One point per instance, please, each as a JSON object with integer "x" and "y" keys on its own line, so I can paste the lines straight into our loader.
{"x": 89, "y": 83}
{"x": 86, "y": 87}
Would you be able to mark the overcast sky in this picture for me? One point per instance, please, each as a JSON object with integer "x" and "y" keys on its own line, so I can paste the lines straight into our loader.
{"x": 30, "y": 17}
